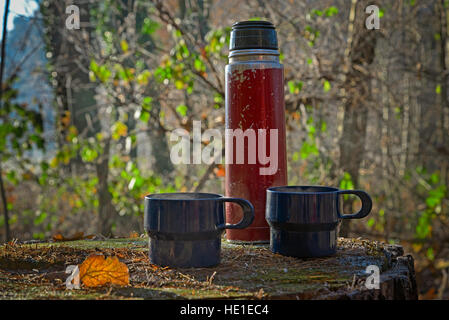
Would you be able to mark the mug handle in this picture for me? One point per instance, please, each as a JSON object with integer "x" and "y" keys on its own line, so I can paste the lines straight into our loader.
{"x": 367, "y": 204}
{"x": 248, "y": 214}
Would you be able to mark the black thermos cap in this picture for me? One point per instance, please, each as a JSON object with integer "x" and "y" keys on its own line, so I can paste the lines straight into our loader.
{"x": 253, "y": 35}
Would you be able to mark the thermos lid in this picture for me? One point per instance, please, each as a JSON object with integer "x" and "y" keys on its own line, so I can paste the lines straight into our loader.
{"x": 253, "y": 35}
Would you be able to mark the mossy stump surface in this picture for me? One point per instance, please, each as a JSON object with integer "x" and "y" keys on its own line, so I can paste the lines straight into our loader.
{"x": 37, "y": 271}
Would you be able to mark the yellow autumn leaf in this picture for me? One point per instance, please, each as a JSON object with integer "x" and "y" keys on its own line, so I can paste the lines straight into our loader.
{"x": 124, "y": 45}
{"x": 119, "y": 130}
{"x": 65, "y": 119}
{"x": 73, "y": 130}
{"x": 97, "y": 271}
{"x": 142, "y": 78}
{"x": 442, "y": 264}
{"x": 26, "y": 176}
{"x": 54, "y": 162}
{"x": 417, "y": 247}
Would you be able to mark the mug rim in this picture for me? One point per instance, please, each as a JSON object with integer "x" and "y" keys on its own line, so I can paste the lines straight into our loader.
{"x": 169, "y": 196}
{"x": 325, "y": 189}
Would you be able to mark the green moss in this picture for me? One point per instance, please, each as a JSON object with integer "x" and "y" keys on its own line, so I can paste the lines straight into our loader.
{"x": 220, "y": 293}
{"x": 20, "y": 290}
{"x": 104, "y": 244}
{"x": 299, "y": 281}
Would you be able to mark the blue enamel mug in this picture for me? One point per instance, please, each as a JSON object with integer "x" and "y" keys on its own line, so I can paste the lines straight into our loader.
{"x": 304, "y": 220}
{"x": 185, "y": 228}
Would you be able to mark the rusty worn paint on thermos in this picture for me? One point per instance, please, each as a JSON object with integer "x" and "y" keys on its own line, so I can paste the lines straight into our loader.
{"x": 256, "y": 155}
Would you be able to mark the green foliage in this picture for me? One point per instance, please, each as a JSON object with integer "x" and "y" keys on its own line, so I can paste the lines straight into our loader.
{"x": 346, "y": 183}
{"x": 146, "y": 103}
{"x": 295, "y": 86}
{"x": 88, "y": 154}
{"x": 21, "y": 127}
{"x": 311, "y": 34}
{"x": 199, "y": 65}
{"x": 123, "y": 72}
{"x": 434, "y": 197}
{"x": 309, "y": 146}
{"x": 295, "y": 156}
{"x": 377, "y": 222}
{"x": 312, "y": 163}
{"x": 331, "y": 11}
{"x": 182, "y": 109}
{"x": 327, "y": 12}
{"x": 102, "y": 72}
{"x": 185, "y": 65}
{"x": 21, "y": 137}
{"x": 423, "y": 228}
{"x": 40, "y": 218}
{"x": 326, "y": 86}
{"x": 307, "y": 149}
{"x": 149, "y": 26}
{"x": 317, "y": 12}
{"x": 370, "y": 223}
{"x": 323, "y": 126}
{"x": 129, "y": 185}
{"x": 430, "y": 254}
{"x": 217, "y": 40}
{"x": 219, "y": 100}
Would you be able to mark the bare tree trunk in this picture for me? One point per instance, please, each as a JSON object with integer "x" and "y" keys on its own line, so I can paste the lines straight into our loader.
{"x": 352, "y": 146}
{"x": 160, "y": 150}
{"x": 444, "y": 71}
{"x": 360, "y": 54}
{"x": 106, "y": 210}
{"x": 405, "y": 128}
{"x": 444, "y": 25}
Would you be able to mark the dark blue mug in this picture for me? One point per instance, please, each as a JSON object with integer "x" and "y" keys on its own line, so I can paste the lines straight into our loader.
{"x": 185, "y": 229}
{"x": 304, "y": 220}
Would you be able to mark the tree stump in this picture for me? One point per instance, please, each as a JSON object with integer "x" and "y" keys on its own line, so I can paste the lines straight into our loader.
{"x": 37, "y": 270}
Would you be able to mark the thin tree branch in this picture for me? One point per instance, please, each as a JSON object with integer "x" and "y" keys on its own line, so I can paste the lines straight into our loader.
{"x": 2, "y": 67}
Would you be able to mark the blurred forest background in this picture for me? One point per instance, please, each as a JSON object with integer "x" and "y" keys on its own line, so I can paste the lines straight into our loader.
{"x": 86, "y": 114}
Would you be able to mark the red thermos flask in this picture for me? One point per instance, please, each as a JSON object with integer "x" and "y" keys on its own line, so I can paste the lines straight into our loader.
{"x": 255, "y": 145}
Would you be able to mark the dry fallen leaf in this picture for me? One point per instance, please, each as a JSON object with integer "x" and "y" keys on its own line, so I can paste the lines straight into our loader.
{"x": 13, "y": 242}
{"x": 76, "y": 236}
{"x": 431, "y": 294}
{"x": 133, "y": 235}
{"x": 97, "y": 271}
{"x": 442, "y": 264}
